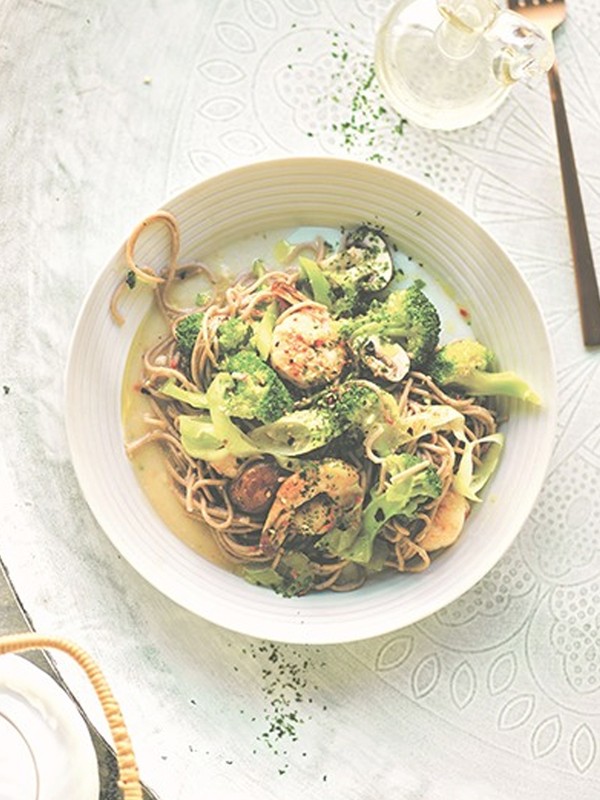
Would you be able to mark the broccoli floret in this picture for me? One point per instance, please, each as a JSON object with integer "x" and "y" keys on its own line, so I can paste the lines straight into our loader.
{"x": 357, "y": 404}
{"x": 186, "y": 333}
{"x": 467, "y": 364}
{"x": 414, "y": 322}
{"x": 233, "y": 334}
{"x": 407, "y": 317}
{"x": 258, "y": 392}
{"x": 352, "y": 405}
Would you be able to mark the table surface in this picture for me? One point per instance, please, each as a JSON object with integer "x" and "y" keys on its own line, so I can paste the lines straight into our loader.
{"x": 107, "y": 110}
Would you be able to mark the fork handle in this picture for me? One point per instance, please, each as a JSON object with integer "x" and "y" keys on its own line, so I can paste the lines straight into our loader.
{"x": 585, "y": 275}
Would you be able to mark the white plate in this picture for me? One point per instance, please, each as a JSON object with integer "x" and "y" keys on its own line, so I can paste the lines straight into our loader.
{"x": 46, "y": 752}
{"x": 323, "y": 192}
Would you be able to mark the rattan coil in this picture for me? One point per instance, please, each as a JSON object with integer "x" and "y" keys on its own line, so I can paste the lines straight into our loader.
{"x": 129, "y": 782}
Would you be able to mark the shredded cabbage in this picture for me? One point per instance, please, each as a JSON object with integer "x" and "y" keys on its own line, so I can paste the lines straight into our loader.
{"x": 435, "y": 418}
{"x": 407, "y": 429}
{"x": 470, "y": 478}
{"x": 199, "y": 439}
{"x": 296, "y": 433}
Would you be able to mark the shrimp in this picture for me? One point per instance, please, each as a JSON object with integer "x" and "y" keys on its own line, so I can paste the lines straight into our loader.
{"x": 307, "y": 349}
{"x": 447, "y": 522}
{"x": 321, "y": 496}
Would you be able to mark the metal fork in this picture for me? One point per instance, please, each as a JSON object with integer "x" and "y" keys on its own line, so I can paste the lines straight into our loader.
{"x": 548, "y": 15}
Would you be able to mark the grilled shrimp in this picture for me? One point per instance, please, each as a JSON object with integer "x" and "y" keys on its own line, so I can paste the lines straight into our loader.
{"x": 321, "y": 496}
{"x": 307, "y": 349}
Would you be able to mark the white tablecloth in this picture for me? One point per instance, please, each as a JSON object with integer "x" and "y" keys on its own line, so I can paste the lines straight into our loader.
{"x": 107, "y": 110}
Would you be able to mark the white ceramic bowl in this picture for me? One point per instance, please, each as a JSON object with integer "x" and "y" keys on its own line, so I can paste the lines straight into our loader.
{"x": 456, "y": 251}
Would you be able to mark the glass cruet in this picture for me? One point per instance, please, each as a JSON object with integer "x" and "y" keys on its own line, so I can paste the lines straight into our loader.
{"x": 447, "y": 64}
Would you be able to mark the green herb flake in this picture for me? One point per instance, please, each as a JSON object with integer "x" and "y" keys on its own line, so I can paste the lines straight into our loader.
{"x": 370, "y": 124}
{"x": 286, "y": 683}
